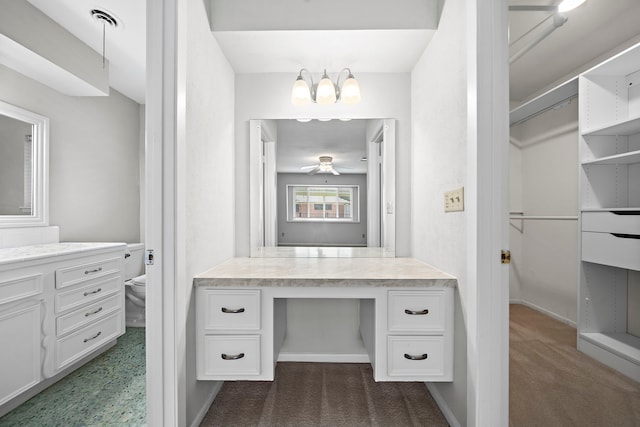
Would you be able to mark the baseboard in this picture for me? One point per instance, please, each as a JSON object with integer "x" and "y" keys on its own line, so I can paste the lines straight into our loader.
{"x": 205, "y": 408}
{"x": 323, "y": 358}
{"x": 544, "y": 311}
{"x": 442, "y": 404}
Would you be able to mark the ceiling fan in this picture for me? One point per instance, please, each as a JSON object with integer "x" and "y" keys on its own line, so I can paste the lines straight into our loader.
{"x": 325, "y": 166}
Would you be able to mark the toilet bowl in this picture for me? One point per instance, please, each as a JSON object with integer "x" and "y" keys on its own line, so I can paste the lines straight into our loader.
{"x": 135, "y": 285}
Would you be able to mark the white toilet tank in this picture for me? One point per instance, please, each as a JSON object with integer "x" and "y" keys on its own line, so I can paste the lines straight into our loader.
{"x": 134, "y": 262}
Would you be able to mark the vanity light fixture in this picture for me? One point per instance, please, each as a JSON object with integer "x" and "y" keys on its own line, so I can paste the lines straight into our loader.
{"x": 326, "y": 91}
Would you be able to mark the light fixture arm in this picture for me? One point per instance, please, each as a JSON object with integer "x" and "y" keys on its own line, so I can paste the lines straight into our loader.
{"x": 312, "y": 86}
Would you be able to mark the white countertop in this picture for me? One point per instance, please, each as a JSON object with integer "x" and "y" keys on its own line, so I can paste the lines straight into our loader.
{"x": 324, "y": 272}
{"x": 27, "y": 253}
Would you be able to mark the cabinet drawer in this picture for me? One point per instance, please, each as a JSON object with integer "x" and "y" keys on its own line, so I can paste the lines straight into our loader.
{"x": 79, "y": 273}
{"x": 415, "y": 356}
{"x": 231, "y": 310}
{"x": 85, "y": 315}
{"x": 84, "y": 341}
{"x": 416, "y": 311}
{"x": 608, "y": 249}
{"x": 97, "y": 289}
{"x": 231, "y": 356}
{"x": 13, "y": 289}
{"x": 609, "y": 222}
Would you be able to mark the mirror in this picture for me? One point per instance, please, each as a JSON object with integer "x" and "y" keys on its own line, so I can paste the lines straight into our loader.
{"x": 322, "y": 188}
{"x": 23, "y": 167}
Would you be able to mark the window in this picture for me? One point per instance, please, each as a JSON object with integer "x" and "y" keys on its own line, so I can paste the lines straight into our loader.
{"x": 323, "y": 203}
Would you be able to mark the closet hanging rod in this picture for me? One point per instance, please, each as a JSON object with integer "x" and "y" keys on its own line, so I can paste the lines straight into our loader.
{"x": 543, "y": 217}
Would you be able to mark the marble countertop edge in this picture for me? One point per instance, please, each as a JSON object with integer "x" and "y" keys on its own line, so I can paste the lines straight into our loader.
{"x": 34, "y": 252}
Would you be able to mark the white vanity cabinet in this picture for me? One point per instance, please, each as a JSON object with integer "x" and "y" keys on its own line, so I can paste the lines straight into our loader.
{"x": 60, "y": 305}
{"x": 609, "y": 150}
{"x": 230, "y": 327}
{"x": 21, "y": 313}
{"x": 405, "y": 316}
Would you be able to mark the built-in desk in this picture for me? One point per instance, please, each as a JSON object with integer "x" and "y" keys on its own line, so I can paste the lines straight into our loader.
{"x": 405, "y": 309}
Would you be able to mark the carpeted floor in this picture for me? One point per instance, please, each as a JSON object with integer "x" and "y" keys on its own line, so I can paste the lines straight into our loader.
{"x": 323, "y": 394}
{"x": 553, "y": 384}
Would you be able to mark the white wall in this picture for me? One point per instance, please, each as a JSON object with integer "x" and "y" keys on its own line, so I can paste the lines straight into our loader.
{"x": 546, "y": 267}
{"x": 438, "y": 164}
{"x": 268, "y": 96}
{"x": 208, "y": 176}
{"x": 94, "y": 159}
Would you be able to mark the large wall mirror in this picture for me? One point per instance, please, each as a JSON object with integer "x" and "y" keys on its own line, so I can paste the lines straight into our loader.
{"x": 23, "y": 167}
{"x": 322, "y": 187}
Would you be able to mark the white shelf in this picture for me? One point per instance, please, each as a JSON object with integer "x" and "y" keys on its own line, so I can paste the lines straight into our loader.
{"x": 617, "y": 159}
{"x": 628, "y": 127}
{"x": 623, "y": 345}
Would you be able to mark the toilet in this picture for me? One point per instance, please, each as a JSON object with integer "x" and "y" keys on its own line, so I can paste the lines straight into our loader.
{"x": 135, "y": 285}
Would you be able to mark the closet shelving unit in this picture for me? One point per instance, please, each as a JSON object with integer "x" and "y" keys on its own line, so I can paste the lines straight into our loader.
{"x": 609, "y": 152}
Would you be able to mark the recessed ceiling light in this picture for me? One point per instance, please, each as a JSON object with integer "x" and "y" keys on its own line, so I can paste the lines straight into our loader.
{"x": 345, "y": 120}
{"x": 303, "y": 120}
{"x": 324, "y": 120}
{"x": 567, "y": 5}
{"x": 104, "y": 17}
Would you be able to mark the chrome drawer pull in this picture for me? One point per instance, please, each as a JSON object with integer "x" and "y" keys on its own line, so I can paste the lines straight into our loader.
{"x": 417, "y": 313}
{"x": 93, "y": 271}
{"x": 93, "y": 312}
{"x": 418, "y": 357}
{"x": 626, "y": 236}
{"x": 236, "y": 357}
{"x": 232, "y": 311}
{"x": 93, "y": 337}
{"x": 92, "y": 292}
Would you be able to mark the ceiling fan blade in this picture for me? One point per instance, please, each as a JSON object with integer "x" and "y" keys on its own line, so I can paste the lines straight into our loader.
{"x": 308, "y": 167}
{"x": 335, "y": 172}
{"x": 314, "y": 171}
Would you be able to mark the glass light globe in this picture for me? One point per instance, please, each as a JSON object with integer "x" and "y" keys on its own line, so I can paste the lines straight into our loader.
{"x": 326, "y": 91}
{"x": 350, "y": 92}
{"x": 300, "y": 94}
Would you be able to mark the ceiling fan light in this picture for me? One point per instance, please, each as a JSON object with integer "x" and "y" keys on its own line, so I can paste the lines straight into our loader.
{"x": 350, "y": 92}
{"x": 567, "y": 5}
{"x": 326, "y": 91}
{"x": 300, "y": 94}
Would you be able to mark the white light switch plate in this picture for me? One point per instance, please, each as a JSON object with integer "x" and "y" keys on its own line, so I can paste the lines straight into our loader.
{"x": 454, "y": 200}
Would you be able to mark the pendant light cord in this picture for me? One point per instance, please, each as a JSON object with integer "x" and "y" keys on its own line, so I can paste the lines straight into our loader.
{"x": 103, "y": 42}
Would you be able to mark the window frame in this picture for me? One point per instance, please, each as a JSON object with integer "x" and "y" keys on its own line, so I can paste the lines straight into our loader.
{"x": 355, "y": 203}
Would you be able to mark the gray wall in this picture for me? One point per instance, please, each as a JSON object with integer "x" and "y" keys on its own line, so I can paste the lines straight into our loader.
{"x": 321, "y": 233}
{"x": 544, "y": 181}
{"x": 94, "y": 159}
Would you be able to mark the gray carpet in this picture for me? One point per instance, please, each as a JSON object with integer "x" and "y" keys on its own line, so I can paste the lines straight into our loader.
{"x": 553, "y": 384}
{"x": 323, "y": 394}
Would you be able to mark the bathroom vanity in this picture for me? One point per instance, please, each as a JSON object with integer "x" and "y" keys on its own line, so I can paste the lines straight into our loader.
{"x": 61, "y": 304}
{"x": 405, "y": 311}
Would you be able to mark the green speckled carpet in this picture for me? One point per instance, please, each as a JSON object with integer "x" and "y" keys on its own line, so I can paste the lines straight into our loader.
{"x": 108, "y": 391}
